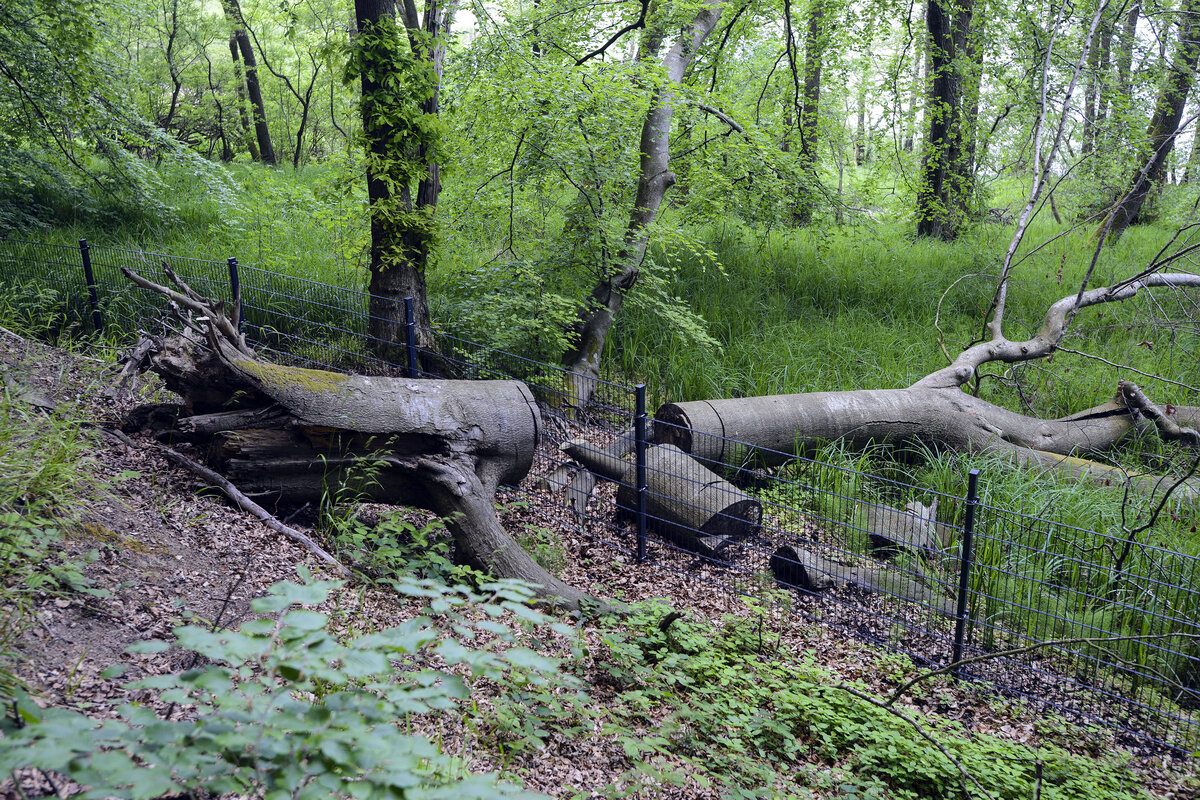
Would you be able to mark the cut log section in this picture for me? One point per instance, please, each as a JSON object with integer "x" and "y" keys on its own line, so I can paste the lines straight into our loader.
{"x": 805, "y": 570}
{"x": 914, "y": 528}
{"x": 685, "y": 502}
{"x": 811, "y": 573}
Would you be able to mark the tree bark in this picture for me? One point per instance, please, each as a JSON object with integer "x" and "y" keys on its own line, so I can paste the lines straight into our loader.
{"x": 402, "y": 221}
{"x": 944, "y": 193}
{"x": 239, "y": 72}
{"x": 262, "y": 134}
{"x": 1124, "y": 59}
{"x": 810, "y": 110}
{"x": 297, "y": 435}
{"x": 654, "y": 179}
{"x": 1164, "y": 125}
{"x": 920, "y": 49}
{"x": 685, "y": 502}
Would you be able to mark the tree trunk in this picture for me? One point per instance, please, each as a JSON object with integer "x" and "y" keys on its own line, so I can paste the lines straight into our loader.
{"x": 654, "y": 179}
{"x": 915, "y": 92}
{"x": 233, "y": 13}
{"x": 933, "y": 411}
{"x": 1164, "y": 125}
{"x": 862, "y": 152}
{"x": 685, "y": 502}
{"x": 402, "y": 224}
{"x": 239, "y": 72}
{"x": 1124, "y": 59}
{"x": 300, "y": 435}
{"x": 944, "y": 193}
{"x": 810, "y": 110}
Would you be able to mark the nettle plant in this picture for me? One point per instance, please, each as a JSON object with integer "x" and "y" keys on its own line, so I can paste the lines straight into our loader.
{"x": 283, "y": 709}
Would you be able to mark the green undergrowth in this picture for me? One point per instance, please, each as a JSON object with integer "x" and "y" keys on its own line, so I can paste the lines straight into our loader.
{"x": 283, "y": 708}
{"x": 45, "y": 480}
{"x": 1053, "y": 558}
{"x": 729, "y": 708}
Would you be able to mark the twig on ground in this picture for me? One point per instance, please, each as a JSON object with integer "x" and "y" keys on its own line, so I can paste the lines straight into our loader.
{"x": 242, "y": 500}
{"x": 933, "y": 673}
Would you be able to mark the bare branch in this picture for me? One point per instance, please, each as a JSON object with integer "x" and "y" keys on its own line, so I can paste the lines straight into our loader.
{"x": 721, "y": 115}
{"x": 640, "y": 22}
{"x": 1054, "y": 328}
{"x": 995, "y": 324}
{"x": 193, "y": 302}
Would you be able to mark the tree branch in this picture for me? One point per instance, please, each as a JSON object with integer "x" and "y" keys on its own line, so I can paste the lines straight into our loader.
{"x": 640, "y": 22}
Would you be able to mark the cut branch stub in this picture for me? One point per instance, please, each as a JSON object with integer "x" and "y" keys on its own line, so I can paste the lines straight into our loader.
{"x": 685, "y": 502}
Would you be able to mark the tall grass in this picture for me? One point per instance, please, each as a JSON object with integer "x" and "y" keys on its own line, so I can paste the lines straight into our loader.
{"x": 1054, "y": 558}
{"x": 860, "y": 307}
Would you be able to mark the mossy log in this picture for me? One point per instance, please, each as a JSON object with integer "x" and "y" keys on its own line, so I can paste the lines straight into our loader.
{"x": 685, "y": 502}
{"x": 290, "y": 435}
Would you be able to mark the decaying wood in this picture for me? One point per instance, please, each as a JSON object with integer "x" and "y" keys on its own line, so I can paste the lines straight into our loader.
{"x": 812, "y": 573}
{"x": 253, "y": 508}
{"x": 685, "y": 502}
{"x": 296, "y": 435}
{"x": 914, "y": 528}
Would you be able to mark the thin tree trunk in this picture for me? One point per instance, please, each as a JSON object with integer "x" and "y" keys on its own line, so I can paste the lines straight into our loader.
{"x": 251, "y": 144}
{"x": 233, "y": 13}
{"x": 654, "y": 179}
{"x": 1124, "y": 57}
{"x": 810, "y": 111}
{"x": 916, "y": 92}
{"x": 222, "y": 133}
{"x": 1164, "y": 125}
{"x": 861, "y": 151}
{"x": 972, "y": 85}
{"x": 943, "y": 194}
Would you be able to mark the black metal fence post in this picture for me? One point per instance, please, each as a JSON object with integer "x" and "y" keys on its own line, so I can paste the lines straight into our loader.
{"x": 90, "y": 278}
{"x": 639, "y": 449}
{"x": 964, "y": 567}
{"x": 410, "y": 331}
{"x": 235, "y": 290}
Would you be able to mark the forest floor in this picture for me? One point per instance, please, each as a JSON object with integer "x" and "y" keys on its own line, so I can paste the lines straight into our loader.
{"x": 169, "y": 550}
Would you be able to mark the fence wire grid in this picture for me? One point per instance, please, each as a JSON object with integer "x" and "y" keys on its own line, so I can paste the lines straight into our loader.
{"x": 941, "y": 578}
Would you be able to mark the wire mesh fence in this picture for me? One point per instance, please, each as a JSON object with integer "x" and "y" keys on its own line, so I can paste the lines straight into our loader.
{"x": 1102, "y": 626}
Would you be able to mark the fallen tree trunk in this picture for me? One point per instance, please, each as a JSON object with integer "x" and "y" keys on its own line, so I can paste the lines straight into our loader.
{"x": 685, "y": 502}
{"x": 752, "y": 432}
{"x": 288, "y": 434}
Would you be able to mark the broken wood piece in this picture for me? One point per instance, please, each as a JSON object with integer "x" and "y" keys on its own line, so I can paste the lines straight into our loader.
{"x": 914, "y": 528}
{"x": 254, "y": 508}
{"x": 809, "y": 572}
{"x": 805, "y": 570}
{"x": 685, "y": 502}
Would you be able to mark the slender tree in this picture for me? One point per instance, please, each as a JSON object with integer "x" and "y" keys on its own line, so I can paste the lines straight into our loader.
{"x": 240, "y": 47}
{"x": 1164, "y": 124}
{"x": 655, "y": 178}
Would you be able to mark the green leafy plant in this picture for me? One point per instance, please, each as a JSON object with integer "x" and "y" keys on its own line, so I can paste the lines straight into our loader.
{"x": 284, "y": 709}
{"x": 44, "y": 479}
